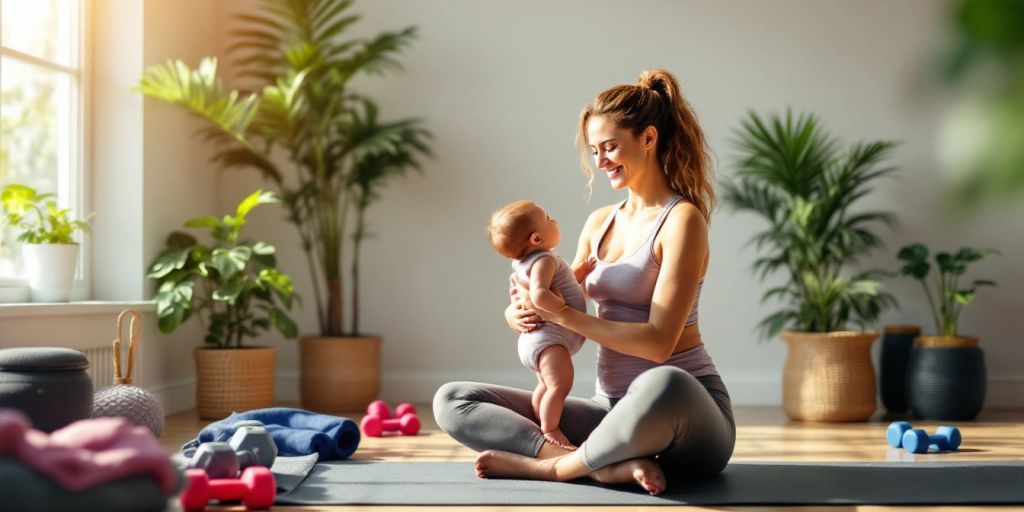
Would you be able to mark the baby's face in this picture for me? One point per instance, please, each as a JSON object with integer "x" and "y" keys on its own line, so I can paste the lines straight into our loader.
{"x": 547, "y": 228}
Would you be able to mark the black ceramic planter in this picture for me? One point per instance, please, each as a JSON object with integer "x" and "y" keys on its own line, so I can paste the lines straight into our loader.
{"x": 946, "y": 383}
{"x": 892, "y": 373}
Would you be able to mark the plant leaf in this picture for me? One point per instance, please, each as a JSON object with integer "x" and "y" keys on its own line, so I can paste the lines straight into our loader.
{"x": 283, "y": 323}
{"x": 168, "y": 262}
{"x": 229, "y": 262}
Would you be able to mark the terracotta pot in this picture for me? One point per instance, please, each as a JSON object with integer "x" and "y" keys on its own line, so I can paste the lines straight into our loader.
{"x": 233, "y": 380}
{"x": 339, "y": 374}
{"x": 829, "y": 376}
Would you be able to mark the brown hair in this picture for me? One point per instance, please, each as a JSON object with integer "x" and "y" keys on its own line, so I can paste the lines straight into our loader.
{"x": 656, "y": 100}
{"x": 510, "y": 228}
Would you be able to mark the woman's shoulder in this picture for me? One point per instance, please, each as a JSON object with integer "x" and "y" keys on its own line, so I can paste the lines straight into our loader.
{"x": 602, "y": 213}
{"x": 598, "y": 216}
{"x": 685, "y": 216}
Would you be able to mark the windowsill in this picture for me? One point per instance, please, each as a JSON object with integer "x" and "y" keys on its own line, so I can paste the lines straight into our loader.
{"x": 86, "y": 308}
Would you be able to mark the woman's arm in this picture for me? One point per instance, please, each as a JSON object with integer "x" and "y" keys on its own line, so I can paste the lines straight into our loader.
{"x": 684, "y": 243}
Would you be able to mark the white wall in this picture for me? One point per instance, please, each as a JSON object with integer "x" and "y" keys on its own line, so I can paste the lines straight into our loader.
{"x": 501, "y": 84}
{"x": 178, "y": 180}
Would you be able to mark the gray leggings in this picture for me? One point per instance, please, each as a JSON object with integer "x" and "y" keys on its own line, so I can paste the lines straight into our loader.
{"x": 686, "y": 421}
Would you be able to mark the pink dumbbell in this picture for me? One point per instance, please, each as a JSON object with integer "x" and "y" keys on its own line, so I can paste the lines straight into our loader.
{"x": 374, "y": 425}
{"x": 256, "y": 488}
{"x": 381, "y": 409}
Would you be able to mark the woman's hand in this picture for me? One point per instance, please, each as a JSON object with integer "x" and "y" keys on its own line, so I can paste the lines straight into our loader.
{"x": 521, "y": 291}
{"x": 520, "y": 314}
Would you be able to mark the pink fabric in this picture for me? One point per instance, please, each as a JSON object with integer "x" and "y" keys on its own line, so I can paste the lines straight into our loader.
{"x": 86, "y": 453}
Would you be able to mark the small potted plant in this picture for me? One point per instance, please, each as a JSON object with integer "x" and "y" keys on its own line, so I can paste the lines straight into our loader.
{"x": 797, "y": 178}
{"x": 48, "y": 246}
{"x": 946, "y": 377}
{"x": 236, "y": 290}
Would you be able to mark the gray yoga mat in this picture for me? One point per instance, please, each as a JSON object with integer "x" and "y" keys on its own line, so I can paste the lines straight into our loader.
{"x": 742, "y": 483}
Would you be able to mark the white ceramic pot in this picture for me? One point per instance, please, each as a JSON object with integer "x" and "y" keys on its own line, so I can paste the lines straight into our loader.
{"x": 51, "y": 270}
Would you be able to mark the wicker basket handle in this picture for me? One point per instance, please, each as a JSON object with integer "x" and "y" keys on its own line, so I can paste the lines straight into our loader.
{"x": 133, "y": 333}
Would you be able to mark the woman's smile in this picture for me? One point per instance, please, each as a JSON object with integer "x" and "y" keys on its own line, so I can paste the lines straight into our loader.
{"x": 614, "y": 173}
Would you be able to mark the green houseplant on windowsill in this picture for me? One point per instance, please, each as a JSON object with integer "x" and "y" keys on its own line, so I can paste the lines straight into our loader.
{"x": 235, "y": 289}
{"x": 48, "y": 247}
{"x": 794, "y": 175}
{"x": 324, "y": 147}
{"x": 946, "y": 376}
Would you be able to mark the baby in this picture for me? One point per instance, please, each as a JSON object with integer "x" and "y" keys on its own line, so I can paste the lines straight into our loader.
{"x": 525, "y": 233}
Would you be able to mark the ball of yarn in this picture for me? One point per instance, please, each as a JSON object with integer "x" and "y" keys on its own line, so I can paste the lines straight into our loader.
{"x": 132, "y": 403}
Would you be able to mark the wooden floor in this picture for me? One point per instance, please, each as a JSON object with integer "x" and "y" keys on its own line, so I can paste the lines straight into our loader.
{"x": 763, "y": 434}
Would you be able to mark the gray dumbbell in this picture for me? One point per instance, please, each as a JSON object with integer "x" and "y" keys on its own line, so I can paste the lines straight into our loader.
{"x": 254, "y": 446}
{"x": 250, "y": 445}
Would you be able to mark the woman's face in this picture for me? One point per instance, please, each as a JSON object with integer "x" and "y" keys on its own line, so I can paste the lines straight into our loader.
{"x": 617, "y": 153}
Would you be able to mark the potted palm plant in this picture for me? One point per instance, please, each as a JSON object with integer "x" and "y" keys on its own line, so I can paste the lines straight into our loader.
{"x": 794, "y": 176}
{"x": 946, "y": 377}
{"x": 235, "y": 289}
{"x": 48, "y": 247}
{"x": 339, "y": 153}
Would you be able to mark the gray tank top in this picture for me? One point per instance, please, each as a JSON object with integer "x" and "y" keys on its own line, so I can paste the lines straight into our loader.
{"x": 623, "y": 292}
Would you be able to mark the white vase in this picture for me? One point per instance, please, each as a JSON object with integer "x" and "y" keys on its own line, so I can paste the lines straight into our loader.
{"x": 51, "y": 270}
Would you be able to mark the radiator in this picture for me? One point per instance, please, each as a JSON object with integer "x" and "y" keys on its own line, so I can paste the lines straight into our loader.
{"x": 101, "y": 366}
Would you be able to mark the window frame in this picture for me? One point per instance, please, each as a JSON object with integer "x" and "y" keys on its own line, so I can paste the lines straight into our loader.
{"x": 74, "y": 189}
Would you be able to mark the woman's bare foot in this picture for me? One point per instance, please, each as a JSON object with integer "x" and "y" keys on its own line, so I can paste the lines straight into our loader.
{"x": 499, "y": 464}
{"x": 643, "y": 471}
{"x": 557, "y": 438}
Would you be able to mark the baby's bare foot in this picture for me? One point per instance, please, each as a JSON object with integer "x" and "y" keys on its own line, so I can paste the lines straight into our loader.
{"x": 643, "y": 471}
{"x": 499, "y": 464}
{"x": 557, "y": 438}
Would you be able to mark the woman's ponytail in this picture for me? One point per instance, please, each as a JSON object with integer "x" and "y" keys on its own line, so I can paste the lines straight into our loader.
{"x": 682, "y": 147}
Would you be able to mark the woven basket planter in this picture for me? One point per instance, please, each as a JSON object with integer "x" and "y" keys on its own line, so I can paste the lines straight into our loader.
{"x": 234, "y": 379}
{"x": 339, "y": 374}
{"x": 829, "y": 376}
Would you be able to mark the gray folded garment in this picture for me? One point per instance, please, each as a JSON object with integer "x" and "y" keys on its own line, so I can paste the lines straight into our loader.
{"x": 25, "y": 490}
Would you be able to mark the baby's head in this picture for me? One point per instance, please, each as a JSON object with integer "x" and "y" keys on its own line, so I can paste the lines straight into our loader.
{"x": 521, "y": 228}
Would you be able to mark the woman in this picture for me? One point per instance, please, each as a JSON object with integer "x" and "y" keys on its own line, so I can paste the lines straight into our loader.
{"x": 660, "y": 407}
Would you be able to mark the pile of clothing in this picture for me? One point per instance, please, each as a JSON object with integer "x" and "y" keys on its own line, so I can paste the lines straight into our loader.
{"x": 102, "y": 464}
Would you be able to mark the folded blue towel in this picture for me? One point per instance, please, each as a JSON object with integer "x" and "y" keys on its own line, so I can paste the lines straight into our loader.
{"x": 295, "y": 431}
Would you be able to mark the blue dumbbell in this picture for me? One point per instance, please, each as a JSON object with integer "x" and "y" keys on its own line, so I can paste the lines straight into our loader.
{"x": 918, "y": 441}
{"x": 895, "y": 433}
{"x": 901, "y": 435}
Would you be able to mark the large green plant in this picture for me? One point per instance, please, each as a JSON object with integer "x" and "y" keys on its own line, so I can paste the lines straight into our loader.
{"x": 323, "y": 146}
{"x": 794, "y": 176}
{"x": 38, "y": 217}
{"x": 233, "y": 285}
{"x": 985, "y": 64}
{"x": 950, "y": 298}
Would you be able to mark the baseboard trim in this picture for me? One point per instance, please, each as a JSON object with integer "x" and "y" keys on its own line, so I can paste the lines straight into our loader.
{"x": 176, "y": 396}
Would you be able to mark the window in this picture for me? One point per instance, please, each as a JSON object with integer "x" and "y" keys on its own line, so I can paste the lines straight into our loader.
{"x": 41, "y": 109}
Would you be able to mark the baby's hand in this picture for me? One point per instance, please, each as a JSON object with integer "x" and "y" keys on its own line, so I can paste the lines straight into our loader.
{"x": 584, "y": 269}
